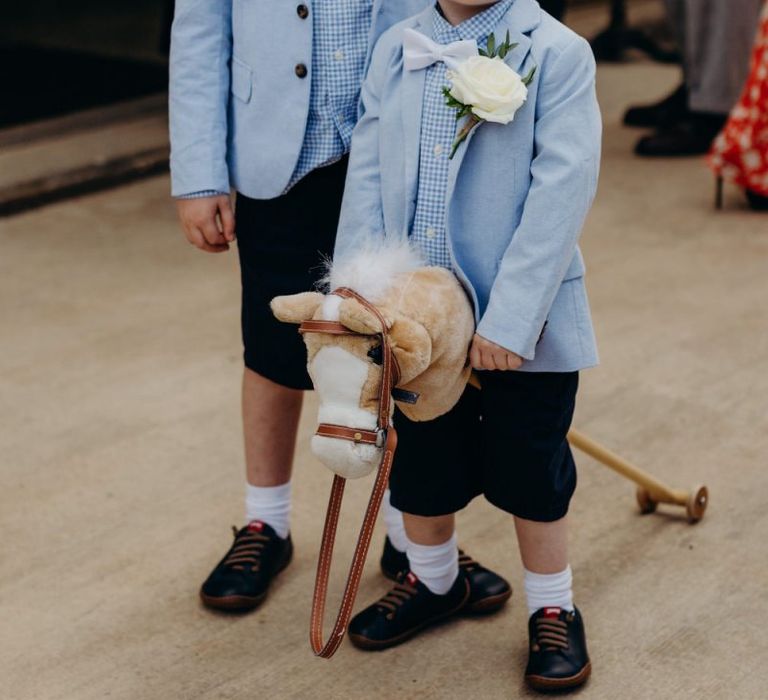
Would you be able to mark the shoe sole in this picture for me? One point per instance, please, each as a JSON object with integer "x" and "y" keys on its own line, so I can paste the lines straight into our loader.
{"x": 544, "y": 683}
{"x": 488, "y": 605}
{"x": 484, "y": 606}
{"x": 232, "y": 603}
{"x": 378, "y": 645}
{"x": 240, "y": 603}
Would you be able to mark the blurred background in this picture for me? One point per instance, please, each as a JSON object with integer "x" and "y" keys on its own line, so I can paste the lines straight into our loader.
{"x": 70, "y": 56}
{"x": 72, "y": 73}
{"x": 84, "y": 85}
{"x": 120, "y": 365}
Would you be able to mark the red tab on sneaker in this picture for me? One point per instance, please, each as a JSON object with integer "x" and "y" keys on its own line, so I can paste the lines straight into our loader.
{"x": 411, "y": 578}
{"x": 255, "y": 526}
{"x": 552, "y": 612}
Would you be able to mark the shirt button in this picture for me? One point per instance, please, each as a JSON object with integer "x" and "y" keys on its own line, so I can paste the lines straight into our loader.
{"x": 438, "y": 149}
{"x": 338, "y": 54}
{"x": 431, "y": 233}
{"x": 300, "y": 70}
{"x": 302, "y": 11}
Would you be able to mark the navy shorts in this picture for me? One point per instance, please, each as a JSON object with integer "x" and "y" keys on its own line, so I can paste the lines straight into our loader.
{"x": 282, "y": 245}
{"x": 506, "y": 442}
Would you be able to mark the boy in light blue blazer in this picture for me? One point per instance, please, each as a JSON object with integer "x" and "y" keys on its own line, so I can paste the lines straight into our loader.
{"x": 263, "y": 99}
{"x": 490, "y": 164}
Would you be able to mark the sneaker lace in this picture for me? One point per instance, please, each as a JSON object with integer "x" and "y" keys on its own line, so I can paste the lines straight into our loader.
{"x": 247, "y": 550}
{"x": 400, "y": 593}
{"x": 551, "y": 634}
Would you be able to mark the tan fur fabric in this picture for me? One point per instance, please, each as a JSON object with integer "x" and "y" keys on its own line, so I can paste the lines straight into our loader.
{"x": 431, "y": 300}
{"x": 431, "y": 326}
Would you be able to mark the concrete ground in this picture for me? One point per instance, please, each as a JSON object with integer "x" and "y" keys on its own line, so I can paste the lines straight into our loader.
{"x": 121, "y": 466}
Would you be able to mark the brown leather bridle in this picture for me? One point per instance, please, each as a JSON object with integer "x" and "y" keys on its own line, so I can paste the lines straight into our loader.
{"x": 383, "y": 436}
{"x": 390, "y": 374}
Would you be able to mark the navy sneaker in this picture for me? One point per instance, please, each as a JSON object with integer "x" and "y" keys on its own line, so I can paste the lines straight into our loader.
{"x": 558, "y": 657}
{"x": 408, "y": 608}
{"x": 242, "y": 578}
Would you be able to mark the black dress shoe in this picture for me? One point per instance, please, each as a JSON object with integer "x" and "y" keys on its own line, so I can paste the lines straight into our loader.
{"x": 488, "y": 592}
{"x": 242, "y": 578}
{"x": 671, "y": 109}
{"x": 406, "y": 610}
{"x": 558, "y": 656}
{"x": 691, "y": 137}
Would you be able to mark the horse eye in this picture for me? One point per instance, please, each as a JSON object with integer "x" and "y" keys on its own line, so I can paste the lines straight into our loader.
{"x": 375, "y": 354}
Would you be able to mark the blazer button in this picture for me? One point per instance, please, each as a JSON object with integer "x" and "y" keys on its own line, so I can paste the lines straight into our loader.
{"x": 301, "y": 70}
{"x": 302, "y": 11}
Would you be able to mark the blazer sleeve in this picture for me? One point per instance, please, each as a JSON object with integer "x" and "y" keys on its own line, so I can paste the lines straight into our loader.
{"x": 362, "y": 215}
{"x": 201, "y": 49}
{"x": 564, "y": 173}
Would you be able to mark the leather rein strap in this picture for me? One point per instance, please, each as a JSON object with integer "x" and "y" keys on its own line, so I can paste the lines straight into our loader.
{"x": 384, "y": 436}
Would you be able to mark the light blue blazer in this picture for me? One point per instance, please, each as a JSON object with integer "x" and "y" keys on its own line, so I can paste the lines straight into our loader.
{"x": 237, "y": 108}
{"x": 517, "y": 195}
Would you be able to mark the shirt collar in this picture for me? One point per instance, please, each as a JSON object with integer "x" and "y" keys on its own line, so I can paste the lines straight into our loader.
{"x": 474, "y": 28}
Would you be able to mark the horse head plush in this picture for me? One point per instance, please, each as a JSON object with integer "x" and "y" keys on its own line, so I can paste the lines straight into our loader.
{"x": 421, "y": 312}
{"x": 388, "y": 327}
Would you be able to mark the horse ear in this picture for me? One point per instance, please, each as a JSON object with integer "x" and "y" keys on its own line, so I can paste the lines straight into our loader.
{"x": 296, "y": 308}
{"x": 356, "y": 317}
{"x": 412, "y": 347}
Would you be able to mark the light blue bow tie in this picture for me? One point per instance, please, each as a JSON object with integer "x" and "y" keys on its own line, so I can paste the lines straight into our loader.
{"x": 420, "y": 51}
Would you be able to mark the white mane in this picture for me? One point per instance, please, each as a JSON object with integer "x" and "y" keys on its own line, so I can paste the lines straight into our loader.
{"x": 371, "y": 270}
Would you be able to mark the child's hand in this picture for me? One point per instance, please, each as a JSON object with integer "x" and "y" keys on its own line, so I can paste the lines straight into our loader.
{"x": 483, "y": 354}
{"x": 208, "y": 222}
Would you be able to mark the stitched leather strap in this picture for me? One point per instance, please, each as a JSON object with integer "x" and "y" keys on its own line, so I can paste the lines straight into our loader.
{"x": 327, "y": 649}
{"x": 331, "y": 327}
{"x": 390, "y": 376}
{"x": 369, "y": 437}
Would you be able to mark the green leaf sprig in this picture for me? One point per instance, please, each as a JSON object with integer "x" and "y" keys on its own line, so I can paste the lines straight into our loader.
{"x": 492, "y": 51}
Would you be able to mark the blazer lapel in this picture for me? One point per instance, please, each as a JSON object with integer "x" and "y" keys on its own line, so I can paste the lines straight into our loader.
{"x": 412, "y": 95}
{"x": 523, "y": 17}
{"x": 373, "y": 31}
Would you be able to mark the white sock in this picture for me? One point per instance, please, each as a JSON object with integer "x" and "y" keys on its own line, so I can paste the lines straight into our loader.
{"x": 393, "y": 519}
{"x": 549, "y": 590}
{"x": 436, "y": 566}
{"x": 271, "y": 505}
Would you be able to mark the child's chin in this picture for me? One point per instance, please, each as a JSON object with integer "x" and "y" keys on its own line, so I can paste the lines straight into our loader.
{"x": 346, "y": 458}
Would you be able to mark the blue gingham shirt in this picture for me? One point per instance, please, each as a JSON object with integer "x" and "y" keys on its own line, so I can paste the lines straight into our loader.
{"x": 340, "y": 45}
{"x": 438, "y": 130}
{"x": 339, "y": 48}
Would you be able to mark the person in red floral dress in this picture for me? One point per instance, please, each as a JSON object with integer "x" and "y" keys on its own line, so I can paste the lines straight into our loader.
{"x": 740, "y": 152}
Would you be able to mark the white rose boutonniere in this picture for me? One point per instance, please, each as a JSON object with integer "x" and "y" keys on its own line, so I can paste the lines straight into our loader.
{"x": 484, "y": 88}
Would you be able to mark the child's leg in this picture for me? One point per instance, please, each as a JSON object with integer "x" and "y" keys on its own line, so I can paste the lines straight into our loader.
{"x": 432, "y": 589}
{"x": 429, "y": 531}
{"x": 434, "y": 474}
{"x": 433, "y": 555}
{"x": 393, "y": 520}
{"x": 558, "y": 657}
{"x": 544, "y": 551}
{"x": 270, "y": 419}
{"x": 530, "y": 473}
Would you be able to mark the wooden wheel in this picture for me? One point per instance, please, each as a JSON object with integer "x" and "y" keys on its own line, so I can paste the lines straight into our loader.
{"x": 697, "y": 503}
{"x": 644, "y": 500}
